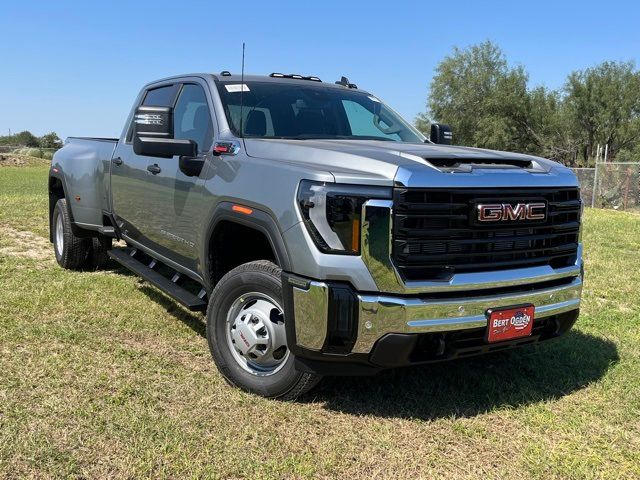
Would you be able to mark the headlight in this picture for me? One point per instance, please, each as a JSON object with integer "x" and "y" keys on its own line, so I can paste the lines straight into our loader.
{"x": 332, "y": 213}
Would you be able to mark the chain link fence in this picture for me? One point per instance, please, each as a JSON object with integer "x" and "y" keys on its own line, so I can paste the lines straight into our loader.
{"x": 613, "y": 185}
{"x": 586, "y": 177}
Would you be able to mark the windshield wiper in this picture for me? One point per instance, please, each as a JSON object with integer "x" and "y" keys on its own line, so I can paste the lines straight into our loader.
{"x": 330, "y": 137}
{"x": 367, "y": 137}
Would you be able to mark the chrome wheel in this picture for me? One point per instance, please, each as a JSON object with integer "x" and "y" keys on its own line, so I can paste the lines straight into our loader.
{"x": 59, "y": 235}
{"x": 256, "y": 334}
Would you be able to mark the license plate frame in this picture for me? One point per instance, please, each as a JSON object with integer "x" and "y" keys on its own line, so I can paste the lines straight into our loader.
{"x": 509, "y": 323}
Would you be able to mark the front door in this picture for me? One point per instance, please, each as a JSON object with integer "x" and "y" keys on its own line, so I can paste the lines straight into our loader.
{"x": 130, "y": 177}
{"x": 175, "y": 198}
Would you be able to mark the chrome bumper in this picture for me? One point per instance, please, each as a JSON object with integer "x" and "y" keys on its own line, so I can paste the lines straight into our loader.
{"x": 381, "y": 314}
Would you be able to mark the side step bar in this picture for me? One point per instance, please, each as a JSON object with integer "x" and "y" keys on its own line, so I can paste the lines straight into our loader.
{"x": 186, "y": 298}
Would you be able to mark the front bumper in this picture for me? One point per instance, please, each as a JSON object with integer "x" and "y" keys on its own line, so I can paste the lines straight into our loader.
{"x": 329, "y": 322}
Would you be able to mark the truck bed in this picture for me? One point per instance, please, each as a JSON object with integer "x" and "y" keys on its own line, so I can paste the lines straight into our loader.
{"x": 86, "y": 166}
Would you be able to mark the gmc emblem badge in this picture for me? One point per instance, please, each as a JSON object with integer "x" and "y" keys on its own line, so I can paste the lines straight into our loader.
{"x": 504, "y": 212}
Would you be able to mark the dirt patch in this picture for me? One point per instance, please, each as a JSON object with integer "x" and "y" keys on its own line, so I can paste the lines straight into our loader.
{"x": 25, "y": 244}
{"x": 13, "y": 160}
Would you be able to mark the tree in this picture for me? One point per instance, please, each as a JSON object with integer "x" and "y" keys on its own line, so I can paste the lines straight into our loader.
{"x": 50, "y": 140}
{"x": 489, "y": 104}
{"x": 26, "y": 138}
{"x": 480, "y": 95}
{"x": 423, "y": 123}
{"x": 603, "y": 105}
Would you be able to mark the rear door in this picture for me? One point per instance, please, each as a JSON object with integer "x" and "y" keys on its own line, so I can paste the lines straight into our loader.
{"x": 173, "y": 197}
{"x": 132, "y": 205}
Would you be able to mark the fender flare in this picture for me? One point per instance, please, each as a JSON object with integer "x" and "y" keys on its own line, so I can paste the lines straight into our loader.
{"x": 258, "y": 220}
{"x": 77, "y": 231}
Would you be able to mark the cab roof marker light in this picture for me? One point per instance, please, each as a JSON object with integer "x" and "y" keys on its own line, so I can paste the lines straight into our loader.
{"x": 295, "y": 76}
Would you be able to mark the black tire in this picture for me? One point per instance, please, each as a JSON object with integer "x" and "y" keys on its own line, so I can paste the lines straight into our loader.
{"x": 98, "y": 252}
{"x": 261, "y": 277}
{"x": 73, "y": 252}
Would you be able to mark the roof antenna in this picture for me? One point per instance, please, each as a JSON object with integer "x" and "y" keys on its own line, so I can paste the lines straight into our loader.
{"x": 242, "y": 97}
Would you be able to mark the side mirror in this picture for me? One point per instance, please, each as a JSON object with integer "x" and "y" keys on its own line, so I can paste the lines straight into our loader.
{"x": 153, "y": 134}
{"x": 441, "y": 133}
{"x": 164, "y": 147}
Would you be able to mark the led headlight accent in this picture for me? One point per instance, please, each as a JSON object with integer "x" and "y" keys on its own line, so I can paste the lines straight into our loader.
{"x": 332, "y": 213}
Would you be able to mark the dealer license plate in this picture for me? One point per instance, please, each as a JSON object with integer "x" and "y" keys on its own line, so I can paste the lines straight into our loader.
{"x": 509, "y": 323}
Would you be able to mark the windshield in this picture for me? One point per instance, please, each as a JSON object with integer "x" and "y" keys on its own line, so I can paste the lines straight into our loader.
{"x": 295, "y": 111}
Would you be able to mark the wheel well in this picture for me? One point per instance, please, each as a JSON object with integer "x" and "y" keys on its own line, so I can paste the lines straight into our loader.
{"x": 56, "y": 192}
{"x": 233, "y": 244}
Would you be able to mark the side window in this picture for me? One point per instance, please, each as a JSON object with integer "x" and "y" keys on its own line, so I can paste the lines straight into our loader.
{"x": 192, "y": 117}
{"x": 161, "y": 97}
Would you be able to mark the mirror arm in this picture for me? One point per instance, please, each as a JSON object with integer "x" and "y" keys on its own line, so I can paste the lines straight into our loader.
{"x": 191, "y": 166}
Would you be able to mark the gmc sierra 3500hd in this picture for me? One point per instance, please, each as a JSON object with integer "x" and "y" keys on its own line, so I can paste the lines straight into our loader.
{"x": 322, "y": 233}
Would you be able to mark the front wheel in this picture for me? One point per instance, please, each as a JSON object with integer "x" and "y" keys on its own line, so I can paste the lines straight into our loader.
{"x": 246, "y": 334}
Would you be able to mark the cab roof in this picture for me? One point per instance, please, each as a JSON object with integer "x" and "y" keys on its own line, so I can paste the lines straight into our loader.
{"x": 286, "y": 78}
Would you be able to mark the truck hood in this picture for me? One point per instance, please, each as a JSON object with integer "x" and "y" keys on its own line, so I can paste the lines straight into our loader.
{"x": 408, "y": 164}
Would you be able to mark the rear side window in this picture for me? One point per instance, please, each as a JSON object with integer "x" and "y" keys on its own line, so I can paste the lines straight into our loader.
{"x": 162, "y": 96}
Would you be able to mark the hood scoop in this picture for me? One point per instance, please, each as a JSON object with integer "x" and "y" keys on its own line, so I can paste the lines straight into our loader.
{"x": 467, "y": 165}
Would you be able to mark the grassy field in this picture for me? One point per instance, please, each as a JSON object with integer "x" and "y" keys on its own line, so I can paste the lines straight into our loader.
{"x": 102, "y": 376}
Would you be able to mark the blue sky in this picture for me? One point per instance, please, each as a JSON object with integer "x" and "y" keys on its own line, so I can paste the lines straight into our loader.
{"x": 76, "y": 67}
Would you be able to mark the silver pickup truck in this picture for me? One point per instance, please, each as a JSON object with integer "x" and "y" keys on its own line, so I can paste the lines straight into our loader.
{"x": 321, "y": 233}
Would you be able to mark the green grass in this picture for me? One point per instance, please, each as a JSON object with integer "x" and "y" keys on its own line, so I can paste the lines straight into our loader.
{"x": 102, "y": 376}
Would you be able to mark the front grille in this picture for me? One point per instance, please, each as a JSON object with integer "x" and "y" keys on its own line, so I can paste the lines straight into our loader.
{"x": 435, "y": 236}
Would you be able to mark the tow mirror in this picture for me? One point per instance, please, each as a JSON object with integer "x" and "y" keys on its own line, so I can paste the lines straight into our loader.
{"x": 153, "y": 134}
{"x": 441, "y": 133}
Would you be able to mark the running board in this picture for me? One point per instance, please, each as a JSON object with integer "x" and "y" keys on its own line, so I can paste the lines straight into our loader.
{"x": 186, "y": 298}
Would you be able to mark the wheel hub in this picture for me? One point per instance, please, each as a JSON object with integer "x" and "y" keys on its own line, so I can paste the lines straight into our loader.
{"x": 250, "y": 334}
{"x": 256, "y": 334}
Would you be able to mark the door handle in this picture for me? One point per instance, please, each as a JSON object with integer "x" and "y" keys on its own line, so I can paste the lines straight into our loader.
{"x": 155, "y": 169}
{"x": 117, "y": 161}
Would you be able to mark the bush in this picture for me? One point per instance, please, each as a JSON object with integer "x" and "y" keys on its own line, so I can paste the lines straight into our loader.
{"x": 31, "y": 152}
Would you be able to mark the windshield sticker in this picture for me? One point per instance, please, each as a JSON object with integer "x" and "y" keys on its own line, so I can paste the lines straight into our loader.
{"x": 236, "y": 87}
